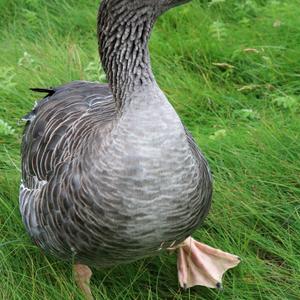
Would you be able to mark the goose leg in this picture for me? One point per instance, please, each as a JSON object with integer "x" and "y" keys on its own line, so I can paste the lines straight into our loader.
{"x": 82, "y": 275}
{"x": 199, "y": 264}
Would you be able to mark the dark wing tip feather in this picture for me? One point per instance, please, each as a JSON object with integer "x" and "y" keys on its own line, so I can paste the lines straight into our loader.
{"x": 49, "y": 91}
{"x": 31, "y": 115}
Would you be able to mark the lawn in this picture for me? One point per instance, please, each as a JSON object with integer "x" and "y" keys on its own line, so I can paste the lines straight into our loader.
{"x": 232, "y": 71}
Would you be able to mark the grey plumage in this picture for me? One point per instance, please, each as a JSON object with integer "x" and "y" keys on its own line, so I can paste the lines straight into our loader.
{"x": 109, "y": 173}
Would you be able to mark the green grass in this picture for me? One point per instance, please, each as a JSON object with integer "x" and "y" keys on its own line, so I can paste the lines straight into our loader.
{"x": 243, "y": 113}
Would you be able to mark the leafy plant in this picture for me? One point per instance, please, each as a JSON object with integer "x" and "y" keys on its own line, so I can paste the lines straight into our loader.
{"x": 246, "y": 114}
{"x": 218, "y": 134}
{"x": 218, "y": 30}
{"x": 30, "y": 16}
{"x": 94, "y": 72}
{"x": 287, "y": 102}
{"x": 7, "y": 76}
{"x": 246, "y": 7}
{"x": 216, "y": 2}
{"x": 26, "y": 60}
{"x": 33, "y": 3}
{"x": 5, "y": 129}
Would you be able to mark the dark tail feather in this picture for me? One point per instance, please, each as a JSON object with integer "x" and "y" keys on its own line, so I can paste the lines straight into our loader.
{"x": 50, "y": 91}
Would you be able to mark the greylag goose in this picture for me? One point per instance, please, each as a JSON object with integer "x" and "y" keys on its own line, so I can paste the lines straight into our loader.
{"x": 109, "y": 173}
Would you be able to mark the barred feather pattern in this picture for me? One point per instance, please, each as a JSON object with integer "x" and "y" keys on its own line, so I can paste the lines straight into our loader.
{"x": 124, "y": 30}
{"x": 105, "y": 190}
{"x": 110, "y": 175}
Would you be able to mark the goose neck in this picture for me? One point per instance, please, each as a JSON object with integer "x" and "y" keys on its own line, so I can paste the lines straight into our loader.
{"x": 123, "y": 34}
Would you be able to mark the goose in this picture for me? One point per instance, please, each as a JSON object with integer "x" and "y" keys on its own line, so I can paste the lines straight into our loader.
{"x": 110, "y": 174}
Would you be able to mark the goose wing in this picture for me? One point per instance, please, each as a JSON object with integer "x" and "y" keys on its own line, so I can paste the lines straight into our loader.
{"x": 55, "y": 130}
{"x": 59, "y": 121}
